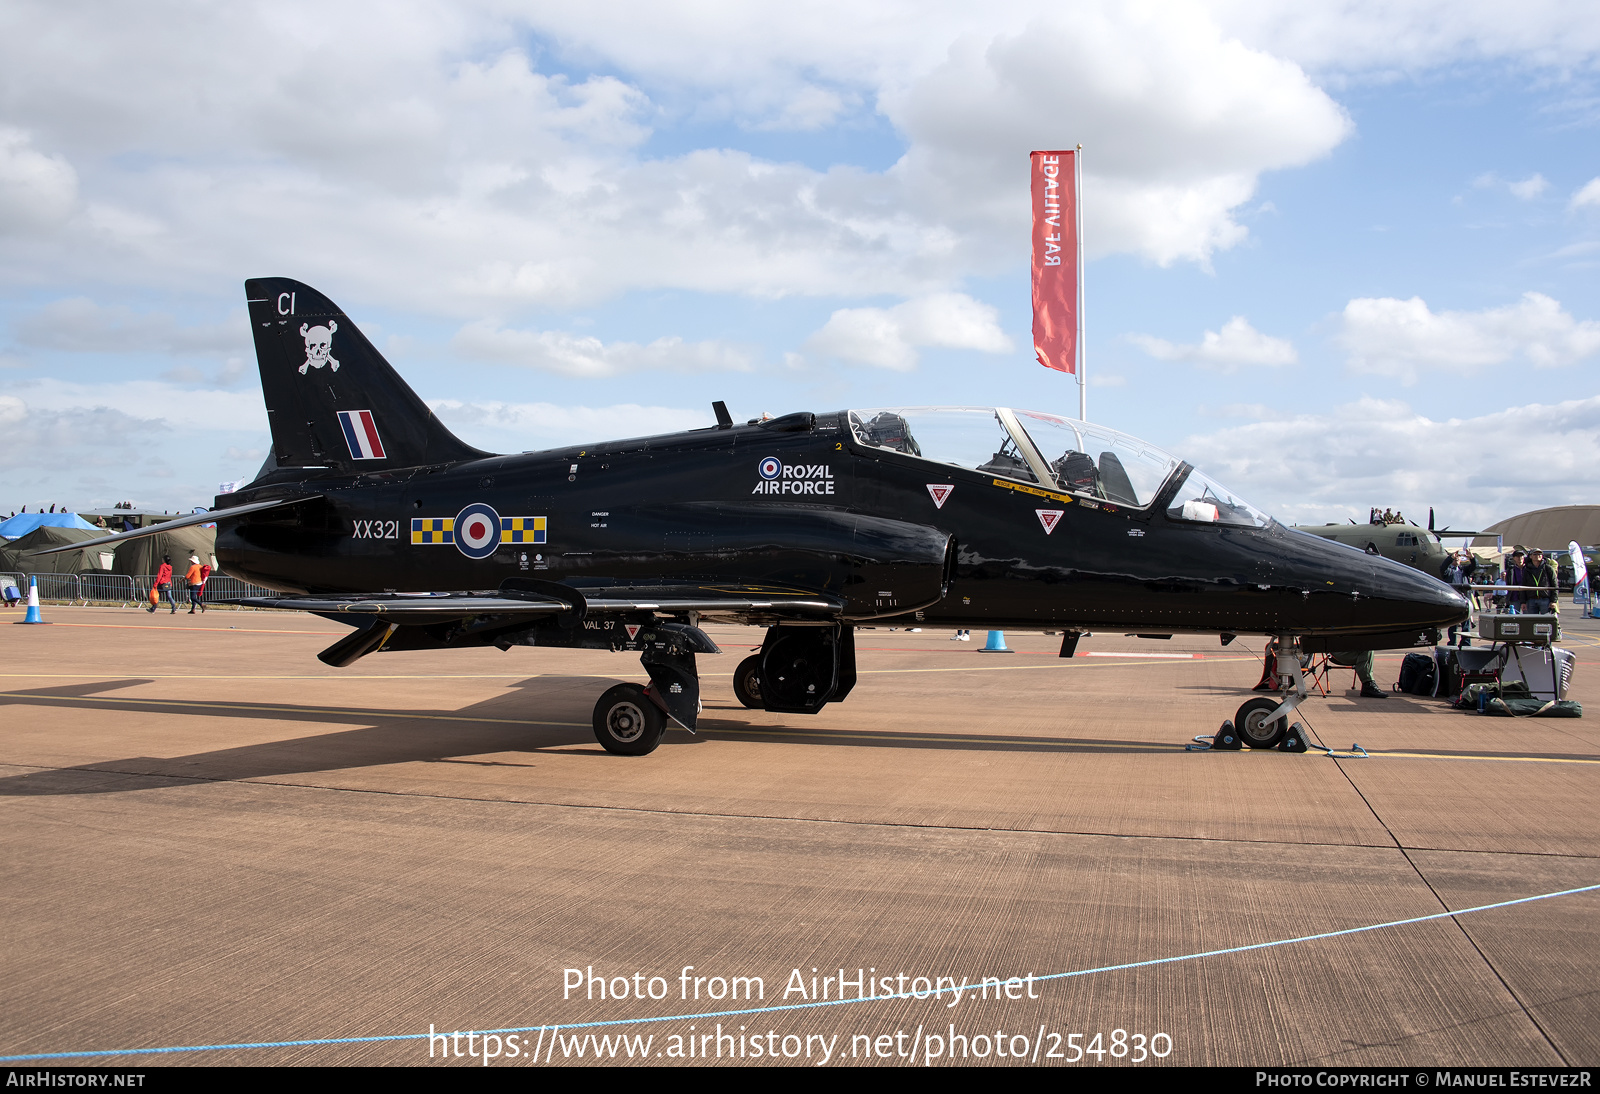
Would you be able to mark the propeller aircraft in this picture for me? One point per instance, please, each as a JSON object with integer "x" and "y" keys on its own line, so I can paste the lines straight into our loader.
{"x": 1401, "y": 541}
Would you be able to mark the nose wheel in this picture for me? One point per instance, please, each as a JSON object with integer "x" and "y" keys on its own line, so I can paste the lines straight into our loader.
{"x": 1253, "y": 727}
{"x": 627, "y": 722}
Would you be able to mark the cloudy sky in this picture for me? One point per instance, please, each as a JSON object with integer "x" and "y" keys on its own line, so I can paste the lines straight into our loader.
{"x": 1341, "y": 254}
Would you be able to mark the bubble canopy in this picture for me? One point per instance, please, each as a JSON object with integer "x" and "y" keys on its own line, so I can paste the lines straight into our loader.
{"x": 1057, "y": 453}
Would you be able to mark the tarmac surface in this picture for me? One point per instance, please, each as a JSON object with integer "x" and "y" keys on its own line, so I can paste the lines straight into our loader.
{"x": 213, "y": 839}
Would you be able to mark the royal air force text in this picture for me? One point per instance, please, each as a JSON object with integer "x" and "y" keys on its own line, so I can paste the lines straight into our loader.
{"x": 798, "y": 479}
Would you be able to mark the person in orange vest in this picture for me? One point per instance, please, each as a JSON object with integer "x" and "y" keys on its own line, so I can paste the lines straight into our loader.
{"x": 196, "y": 577}
{"x": 164, "y": 584}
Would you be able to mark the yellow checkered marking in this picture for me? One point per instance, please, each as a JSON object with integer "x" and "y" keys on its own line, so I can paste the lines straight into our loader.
{"x": 522, "y": 529}
{"x": 433, "y": 529}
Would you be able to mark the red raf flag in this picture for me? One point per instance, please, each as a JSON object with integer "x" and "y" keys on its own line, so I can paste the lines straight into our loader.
{"x": 1055, "y": 260}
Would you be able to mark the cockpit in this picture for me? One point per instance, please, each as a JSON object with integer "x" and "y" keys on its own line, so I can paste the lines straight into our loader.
{"x": 1055, "y": 453}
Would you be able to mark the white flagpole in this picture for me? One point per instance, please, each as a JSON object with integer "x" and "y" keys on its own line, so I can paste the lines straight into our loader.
{"x": 1083, "y": 351}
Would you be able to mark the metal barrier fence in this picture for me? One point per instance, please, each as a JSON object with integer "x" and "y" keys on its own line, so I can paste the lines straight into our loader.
{"x": 222, "y": 590}
{"x": 121, "y": 588}
{"x": 219, "y": 590}
{"x": 118, "y": 587}
{"x": 57, "y": 586}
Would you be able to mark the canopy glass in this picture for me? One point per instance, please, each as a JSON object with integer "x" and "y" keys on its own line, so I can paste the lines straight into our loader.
{"x": 1059, "y": 453}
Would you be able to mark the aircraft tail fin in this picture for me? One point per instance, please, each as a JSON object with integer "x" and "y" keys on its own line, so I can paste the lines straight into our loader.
{"x": 332, "y": 400}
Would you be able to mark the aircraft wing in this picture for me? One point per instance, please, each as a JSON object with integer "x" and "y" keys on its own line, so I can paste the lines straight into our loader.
{"x": 410, "y": 610}
{"x": 533, "y": 599}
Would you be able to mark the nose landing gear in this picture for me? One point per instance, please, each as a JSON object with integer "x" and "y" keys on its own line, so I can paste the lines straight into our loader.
{"x": 1262, "y": 722}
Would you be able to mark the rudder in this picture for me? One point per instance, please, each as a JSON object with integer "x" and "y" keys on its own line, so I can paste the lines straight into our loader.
{"x": 332, "y": 399}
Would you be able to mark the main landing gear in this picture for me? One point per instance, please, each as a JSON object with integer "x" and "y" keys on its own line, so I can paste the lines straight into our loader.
{"x": 801, "y": 668}
{"x": 1263, "y": 722}
{"x": 747, "y": 683}
{"x": 628, "y": 722}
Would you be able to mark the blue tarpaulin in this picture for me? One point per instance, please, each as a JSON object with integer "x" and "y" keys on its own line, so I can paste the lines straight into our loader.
{"x": 23, "y": 523}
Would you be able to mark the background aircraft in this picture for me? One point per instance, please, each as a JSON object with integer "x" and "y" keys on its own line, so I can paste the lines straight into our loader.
{"x": 1405, "y": 542}
{"x": 370, "y": 512}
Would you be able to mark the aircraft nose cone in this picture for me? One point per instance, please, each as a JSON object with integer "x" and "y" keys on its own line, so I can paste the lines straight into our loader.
{"x": 1403, "y": 597}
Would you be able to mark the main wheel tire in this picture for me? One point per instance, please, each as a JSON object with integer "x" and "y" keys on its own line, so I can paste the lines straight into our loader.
{"x": 627, "y": 723}
{"x": 1253, "y": 727}
{"x": 747, "y": 682}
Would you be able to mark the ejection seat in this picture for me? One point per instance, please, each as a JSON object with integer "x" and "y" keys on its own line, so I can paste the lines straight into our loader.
{"x": 1075, "y": 471}
{"x": 1114, "y": 480}
{"x": 1008, "y": 462}
{"x": 891, "y": 431}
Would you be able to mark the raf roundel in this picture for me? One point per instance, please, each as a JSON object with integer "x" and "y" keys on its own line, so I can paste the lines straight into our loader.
{"x": 770, "y": 468}
{"x": 477, "y": 529}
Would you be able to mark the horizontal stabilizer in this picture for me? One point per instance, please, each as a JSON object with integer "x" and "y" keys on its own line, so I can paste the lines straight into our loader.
{"x": 182, "y": 522}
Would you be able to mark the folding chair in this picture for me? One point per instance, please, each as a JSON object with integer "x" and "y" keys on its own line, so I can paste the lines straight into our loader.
{"x": 1322, "y": 666}
{"x": 1317, "y": 674}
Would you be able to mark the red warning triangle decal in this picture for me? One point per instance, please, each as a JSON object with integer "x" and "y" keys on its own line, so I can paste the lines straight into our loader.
{"x": 633, "y": 630}
{"x": 1049, "y": 518}
{"x": 940, "y": 491}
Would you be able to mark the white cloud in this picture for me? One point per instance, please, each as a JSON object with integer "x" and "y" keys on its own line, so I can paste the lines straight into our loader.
{"x": 809, "y": 108}
{"x": 1312, "y": 468}
{"x": 890, "y": 337}
{"x": 88, "y": 445}
{"x": 41, "y": 439}
{"x": 82, "y": 326}
{"x": 524, "y": 427}
{"x": 1398, "y": 338}
{"x": 1588, "y": 195}
{"x": 37, "y": 191}
{"x": 1529, "y": 188}
{"x": 149, "y": 401}
{"x": 1526, "y": 190}
{"x": 260, "y": 139}
{"x": 1379, "y": 37}
{"x": 1176, "y": 120}
{"x": 1238, "y": 343}
{"x": 587, "y": 357}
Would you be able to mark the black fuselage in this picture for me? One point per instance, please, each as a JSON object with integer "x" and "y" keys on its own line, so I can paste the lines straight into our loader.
{"x": 805, "y": 506}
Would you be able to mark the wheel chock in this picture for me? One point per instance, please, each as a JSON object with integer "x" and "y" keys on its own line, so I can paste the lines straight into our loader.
{"x": 1226, "y": 740}
{"x": 1294, "y": 740}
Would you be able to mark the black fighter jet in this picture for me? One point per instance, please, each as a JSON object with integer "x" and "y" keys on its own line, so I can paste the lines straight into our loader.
{"x": 370, "y": 512}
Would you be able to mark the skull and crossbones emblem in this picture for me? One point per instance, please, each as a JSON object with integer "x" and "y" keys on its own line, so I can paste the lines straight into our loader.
{"x": 319, "y": 343}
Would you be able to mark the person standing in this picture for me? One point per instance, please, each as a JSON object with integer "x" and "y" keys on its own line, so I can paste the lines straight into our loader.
{"x": 164, "y": 584}
{"x": 1457, "y": 570}
{"x": 196, "y": 577}
{"x": 1541, "y": 575}
{"x": 1516, "y": 567}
